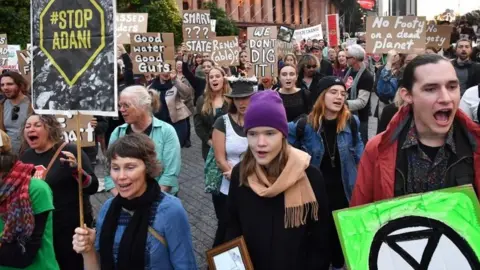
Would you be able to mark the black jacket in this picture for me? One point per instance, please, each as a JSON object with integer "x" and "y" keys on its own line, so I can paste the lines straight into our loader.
{"x": 473, "y": 73}
{"x": 204, "y": 125}
{"x": 460, "y": 166}
{"x": 387, "y": 114}
{"x": 261, "y": 222}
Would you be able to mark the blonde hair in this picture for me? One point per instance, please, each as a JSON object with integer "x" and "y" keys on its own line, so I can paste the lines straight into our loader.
{"x": 143, "y": 98}
{"x": 318, "y": 112}
{"x": 295, "y": 61}
{"x": 398, "y": 100}
{"x": 208, "y": 94}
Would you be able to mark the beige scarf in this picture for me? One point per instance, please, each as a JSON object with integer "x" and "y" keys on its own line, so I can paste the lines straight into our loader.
{"x": 294, "y": 183}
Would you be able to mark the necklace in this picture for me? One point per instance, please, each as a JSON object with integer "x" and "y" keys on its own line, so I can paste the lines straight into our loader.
{"x": 330, "y": 154}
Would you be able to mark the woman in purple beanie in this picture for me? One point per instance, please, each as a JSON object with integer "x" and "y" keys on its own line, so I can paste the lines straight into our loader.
{"x": 277, "y": 201}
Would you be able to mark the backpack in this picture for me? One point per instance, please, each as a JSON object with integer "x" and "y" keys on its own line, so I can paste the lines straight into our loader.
{"x": 301, "y": 122}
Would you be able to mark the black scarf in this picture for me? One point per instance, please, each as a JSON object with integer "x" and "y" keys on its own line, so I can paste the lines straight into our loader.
{"x": 131, "y": 253}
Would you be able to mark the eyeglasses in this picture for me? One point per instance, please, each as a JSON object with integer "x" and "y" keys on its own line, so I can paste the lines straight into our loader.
{"x": 15, "y": 111}
{"x": 123, "y": 105}
{"x": 311, "y": 66}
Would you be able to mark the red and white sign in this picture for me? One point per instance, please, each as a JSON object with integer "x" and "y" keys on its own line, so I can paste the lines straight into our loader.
{"x": 366, "y": 4}
{"x": 333, "y": 30}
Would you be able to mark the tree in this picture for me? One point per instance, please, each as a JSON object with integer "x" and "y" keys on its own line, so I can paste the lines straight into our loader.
{"x": 473, "y": 17}
{"x": 15, "y": 21}
{"x": 352, "y": 13}
{"x": 225, "y": 25}
{"x": 163, "y": 15}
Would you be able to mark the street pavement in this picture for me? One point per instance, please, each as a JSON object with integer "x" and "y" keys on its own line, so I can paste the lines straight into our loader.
{"x": 196, "y": 202}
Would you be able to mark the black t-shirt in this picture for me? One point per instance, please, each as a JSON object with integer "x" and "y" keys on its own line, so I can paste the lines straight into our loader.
{"x": 430, "y": 151}
{"x": 295, "y": 104}
{"x": 476, "y": 54}
{"x": 332, "y": 174}
{"x": 147, "y": 131}
{"x": 365, "y": 82}
{"x": 220, "y": 125}
{"x": 63, "y": 184}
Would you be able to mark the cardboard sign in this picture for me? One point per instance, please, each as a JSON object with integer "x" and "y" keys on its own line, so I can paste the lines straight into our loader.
{"x": 433, "y": 230}
{"x": 225, "y": 51}
{"x": 3, "y": 50}
{"x": 438, "y": 36}
{"x": 333, "y": 30}
{"x": 152, "y": 53}
{"x": 130, "y": 23}
{"x": 69, "y": 129}
{"x": 283, "y": 48}
{"x": 262, "y": 45}
{"x": 74, "y": 68}
{"x": 197, "y": 31}
{"x": 314, "y": 32}
{"x": 24, "y": 61}
{"x": 405, "y": 34}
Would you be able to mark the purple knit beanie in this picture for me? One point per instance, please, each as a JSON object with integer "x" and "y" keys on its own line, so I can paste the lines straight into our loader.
{"x": 266, "y": 110}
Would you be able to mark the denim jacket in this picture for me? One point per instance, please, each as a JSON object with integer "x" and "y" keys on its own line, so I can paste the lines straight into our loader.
{"x": 349, "y": 155}
{"x": 171, "y": 222}
{"x": 168, "y": 151}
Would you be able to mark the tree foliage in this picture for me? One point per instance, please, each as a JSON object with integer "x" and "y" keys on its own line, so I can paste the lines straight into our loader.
{"x": 163, "y": 15}
{"x": 352, "y": 14}
{"x": 225, "y": 25}
{"x": 15, "y": 21}
{"x": 473, "y": 17}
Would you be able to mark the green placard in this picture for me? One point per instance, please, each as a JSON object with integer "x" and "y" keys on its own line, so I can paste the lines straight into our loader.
{"x": 434, "y": 230}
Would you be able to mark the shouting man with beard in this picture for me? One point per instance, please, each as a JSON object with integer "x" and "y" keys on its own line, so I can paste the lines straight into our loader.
{"x": 14, "y": 107}
{"x": 467, "y": 70}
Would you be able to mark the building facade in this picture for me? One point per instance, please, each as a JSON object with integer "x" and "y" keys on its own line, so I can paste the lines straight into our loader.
{"x": 294, "y": 13}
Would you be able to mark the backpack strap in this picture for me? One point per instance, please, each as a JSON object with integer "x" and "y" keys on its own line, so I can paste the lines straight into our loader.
{"x": 353, "y": 130}
{"x": 150, "y": 230}
{"x": 300, "y": 130}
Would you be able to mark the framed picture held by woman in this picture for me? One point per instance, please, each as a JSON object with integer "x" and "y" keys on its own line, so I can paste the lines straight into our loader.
{"x": 232, "y": 255}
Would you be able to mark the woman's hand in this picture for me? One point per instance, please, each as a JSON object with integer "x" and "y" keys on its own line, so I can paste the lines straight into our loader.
{"x": 94, "y": 122}
{"x": 228, "y": 174}
{"x": 83, "y": 240}
{"x": 70, "y": 158}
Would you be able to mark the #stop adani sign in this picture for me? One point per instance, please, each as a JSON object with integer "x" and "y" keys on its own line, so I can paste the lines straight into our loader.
{"x": 70, "y": 36}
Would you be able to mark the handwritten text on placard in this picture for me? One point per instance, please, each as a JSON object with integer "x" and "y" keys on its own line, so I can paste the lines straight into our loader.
{"x": 405, "y": 34}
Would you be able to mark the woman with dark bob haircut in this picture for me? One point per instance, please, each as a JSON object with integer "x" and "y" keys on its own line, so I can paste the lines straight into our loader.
{"x": 149, "y": 227}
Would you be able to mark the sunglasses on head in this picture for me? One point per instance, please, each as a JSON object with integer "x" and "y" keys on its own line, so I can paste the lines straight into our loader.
{"x": 311, "y": 66}
{"x": 15, "y": 111}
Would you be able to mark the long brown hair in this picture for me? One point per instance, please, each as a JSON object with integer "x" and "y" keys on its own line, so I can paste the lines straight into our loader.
{"x": 318, "y": 112}
{"x": 274, "y": 169}
{"x": 208, "y": 94}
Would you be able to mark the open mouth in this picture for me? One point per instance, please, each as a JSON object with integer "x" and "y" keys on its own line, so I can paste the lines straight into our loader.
{"x": 124, "y": 186}
{"x": 442, "y": 116}
{"x": 337, "y": 103}
{"x": 32, "y": 138}
{"x": 262, "y": 154}
{"x": 288, "y": 84}
{"x": 215, "y": 85}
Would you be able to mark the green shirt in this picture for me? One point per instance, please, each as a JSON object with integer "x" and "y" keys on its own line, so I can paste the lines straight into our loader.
{"x": 42, "y": 200}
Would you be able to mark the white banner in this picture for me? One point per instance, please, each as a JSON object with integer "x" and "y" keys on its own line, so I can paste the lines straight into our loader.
{"x": 314, "y": 32}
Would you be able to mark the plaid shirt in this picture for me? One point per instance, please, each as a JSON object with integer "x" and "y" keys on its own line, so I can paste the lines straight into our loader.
{"x": 424, "y": 174}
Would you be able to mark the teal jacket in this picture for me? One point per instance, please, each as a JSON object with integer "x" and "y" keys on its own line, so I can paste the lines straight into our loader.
{"x": 168, "y": 151}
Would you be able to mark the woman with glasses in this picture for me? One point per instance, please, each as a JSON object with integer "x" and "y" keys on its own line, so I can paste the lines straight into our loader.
{"x": 332, "y": 139}
{"x": 309, "y": 74}
{"x": 295, "y": 100}
{"x": 137, "y": 106}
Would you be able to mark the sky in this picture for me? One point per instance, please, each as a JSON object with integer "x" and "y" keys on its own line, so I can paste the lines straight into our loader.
{"x": 431, "y": 8}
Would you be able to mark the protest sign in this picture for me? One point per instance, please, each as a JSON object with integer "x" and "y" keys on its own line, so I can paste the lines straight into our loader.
{"x": 74, "y": 65}
{"x": 130, "y": 23}
{"x": 413, "y": 232}
{"x": 225, "y": 51}
{"x": 285, "y": 34}
{"x": 262, "y": 50}
{"x": 405, "y": 34}
{"x": 438, "y": 36}
{"x": 152, "y": 53}
{"x": 314, "y": 32}
{"x": 284, "y": 47}
{"x": 333, "y": 30}
{"x": 69, "y": 129}
{"x": 24, "y": 64}
{"x": 12, "y": 60}
{"x": 3, "y": 50}
{"x": 197, "y": 31}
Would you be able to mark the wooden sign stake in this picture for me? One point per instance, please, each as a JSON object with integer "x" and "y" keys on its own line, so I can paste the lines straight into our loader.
{"x": 79, "y": 167}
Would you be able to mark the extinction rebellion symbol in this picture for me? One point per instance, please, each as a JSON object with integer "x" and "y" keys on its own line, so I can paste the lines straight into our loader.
{"x": 72, "y": 34}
